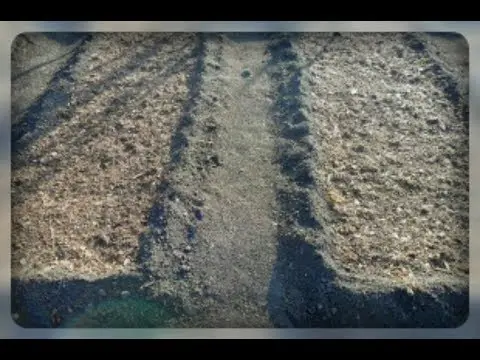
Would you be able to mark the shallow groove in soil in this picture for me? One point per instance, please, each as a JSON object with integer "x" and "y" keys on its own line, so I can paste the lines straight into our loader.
{"x": 27, "y": 129}
{"x": 304, "y": 290}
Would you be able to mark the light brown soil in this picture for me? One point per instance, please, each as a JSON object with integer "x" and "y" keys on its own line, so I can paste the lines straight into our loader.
{"x": 247, "y": 180}
{"x": 394, "y": 161}
{"x": 81, "y": 194}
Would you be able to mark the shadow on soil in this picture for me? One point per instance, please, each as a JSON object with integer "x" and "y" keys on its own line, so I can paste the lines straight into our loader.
{"x": 442, "y": 78}
{"x": 157, "y": 220}
{"x": 51, "y": 110}
{"x": 66, "y": 39}
{"x": 447, "y": 83}
{"x": 303, "y": 290}
{"x": 303, "y": 294}
{"x": 120, "y": 301}
{"x": 55, "y": 97}
{"x": 115, "y": 302}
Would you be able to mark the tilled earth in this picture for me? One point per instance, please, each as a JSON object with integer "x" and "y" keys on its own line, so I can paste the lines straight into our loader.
{"x": 241, "y": 180}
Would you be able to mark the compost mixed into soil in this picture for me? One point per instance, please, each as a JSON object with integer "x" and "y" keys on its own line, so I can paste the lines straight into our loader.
{"x": 240, "y": 180}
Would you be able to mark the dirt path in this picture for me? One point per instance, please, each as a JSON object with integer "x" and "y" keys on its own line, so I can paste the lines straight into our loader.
{"x": 228, "y": 165}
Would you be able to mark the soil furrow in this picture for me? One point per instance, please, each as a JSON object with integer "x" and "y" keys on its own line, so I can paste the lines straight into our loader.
{"x": 27, "y": 125}
{"x": 292, "y": 286}
{"x": 332, "y": 276}
{"x": 220, "y": 230}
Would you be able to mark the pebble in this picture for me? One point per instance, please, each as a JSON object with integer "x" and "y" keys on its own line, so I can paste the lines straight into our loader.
{"x": 198, "y": 214}
{"x": 178, "y": 254}
{"x": 15, "y": 316}
{"x": 102, "y": 292}
{"x": 103, "y": 240}
{"x": 191, "y": 233}
{"x": 188, "y": 248}
{"x": 185, "y": 268}
{"x": 425, "y": 209}
{"x": 246, "y": 73}
{"x": 126, "y": 262}
{"x": 125, "y": 293}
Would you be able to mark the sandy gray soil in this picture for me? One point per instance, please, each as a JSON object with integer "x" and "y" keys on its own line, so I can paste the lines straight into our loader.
{"x": 224, "y": 182}
{"x": 243, "y": 180}
{"x": 31, "y": 66}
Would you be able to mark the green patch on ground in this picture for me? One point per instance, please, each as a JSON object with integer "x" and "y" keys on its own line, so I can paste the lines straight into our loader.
{"x": 123, "y": 313}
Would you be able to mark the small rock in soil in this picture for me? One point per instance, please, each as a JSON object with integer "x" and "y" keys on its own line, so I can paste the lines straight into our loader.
{"x": 359, "y": 148}
{"x": 425, "y": 209}
{"x": 125, "y": 294}
{"x": 178, "y": 254}
{"x": 102, "y": 240}
{"x": 198, "y": 214}
{"x": 191, "y": 231}
{"x": 246, "y": 73}
{"x": 185, "y": 268}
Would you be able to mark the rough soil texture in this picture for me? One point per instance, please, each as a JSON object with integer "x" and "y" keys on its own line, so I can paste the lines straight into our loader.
{"x": 221, "y": 198}
{"x": 83, "y": 190}
{"x": 31, "y": 66}
{"x": 244, "y": 180}
{"x": 390, "y": 167}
